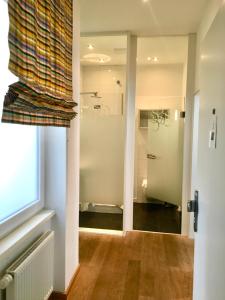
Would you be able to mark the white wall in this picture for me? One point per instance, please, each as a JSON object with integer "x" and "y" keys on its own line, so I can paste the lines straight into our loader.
{"x": 159, "y": 81}
{"x": 158, "y": 87}
{"x": 209, "y": 269}
{"x": 61, "y": 190}
{"x": 103, "y": 79}
{"x": 73, "y": 159}
{"x": 211, "y": 9}
{"x": 55, "y": 195}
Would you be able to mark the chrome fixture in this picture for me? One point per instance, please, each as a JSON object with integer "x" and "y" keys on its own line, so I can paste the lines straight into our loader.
{"x": 94, "y": 94}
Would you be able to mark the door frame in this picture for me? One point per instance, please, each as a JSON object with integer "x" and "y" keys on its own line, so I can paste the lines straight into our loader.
{"x": 188, "y": 132}
{"x": 189, "y": 92}
{"x": 195, "y": 138}
{"x": 129, "y": 151}
{"x": 129, "y": 123}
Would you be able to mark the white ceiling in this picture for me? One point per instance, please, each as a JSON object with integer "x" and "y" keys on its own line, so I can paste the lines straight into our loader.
{"x": 154, "y": 18}
{"x": 113, "y": 46}
{"x": 168, "y": 50}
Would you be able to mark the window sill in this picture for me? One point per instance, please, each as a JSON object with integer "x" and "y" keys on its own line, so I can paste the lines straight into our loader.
{"x": 24, "y": 231}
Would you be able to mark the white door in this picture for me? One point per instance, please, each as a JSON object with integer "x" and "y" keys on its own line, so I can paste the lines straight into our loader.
{"x": 209, "y": 269}
{"x": 165, "y": 159}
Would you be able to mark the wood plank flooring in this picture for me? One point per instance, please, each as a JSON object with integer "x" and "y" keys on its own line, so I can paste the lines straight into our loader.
{"x": 139, "y": 266}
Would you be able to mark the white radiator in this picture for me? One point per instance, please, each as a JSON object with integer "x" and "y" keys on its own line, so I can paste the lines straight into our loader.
{"x": 32, "y": 272}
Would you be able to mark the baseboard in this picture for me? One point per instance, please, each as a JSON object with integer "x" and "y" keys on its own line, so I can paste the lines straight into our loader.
{"x": 64, "y": 296}
{"x": 73, "y": 280}
{"x": 58, "y": 296}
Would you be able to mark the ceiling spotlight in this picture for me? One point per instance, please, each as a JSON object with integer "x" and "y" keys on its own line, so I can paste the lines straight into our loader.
{"x": 101, "y": 60}
{"x": 145, "y": 1}
{"x": 109, "y": 71}
{"x": 149, "y": 58}
{"x": 155, "y": 59}
{"x": 90, "y": 47}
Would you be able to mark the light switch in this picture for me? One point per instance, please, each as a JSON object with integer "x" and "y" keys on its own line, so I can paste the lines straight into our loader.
{"x": 213, "y": 130}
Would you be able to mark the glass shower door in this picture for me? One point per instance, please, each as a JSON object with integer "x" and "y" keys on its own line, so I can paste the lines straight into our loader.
{"x": 102, "y": 150}
{"x": 164, "y": 147}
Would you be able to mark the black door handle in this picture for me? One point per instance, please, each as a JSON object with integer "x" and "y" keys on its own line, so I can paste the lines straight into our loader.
{"x": 192, "y": 206}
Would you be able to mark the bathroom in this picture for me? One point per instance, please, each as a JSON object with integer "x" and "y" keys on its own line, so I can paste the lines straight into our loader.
{"x": 103, "y": 87}
{"x": 159, "y": 103}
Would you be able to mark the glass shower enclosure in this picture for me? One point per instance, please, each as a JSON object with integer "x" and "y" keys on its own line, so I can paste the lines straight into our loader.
{"x": 103, "y": 85}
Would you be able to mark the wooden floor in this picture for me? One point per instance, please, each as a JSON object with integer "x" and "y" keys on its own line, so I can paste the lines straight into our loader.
{"x": 140, "y": 266}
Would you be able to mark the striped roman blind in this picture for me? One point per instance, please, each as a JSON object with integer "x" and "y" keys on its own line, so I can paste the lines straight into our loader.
{"x": 40, "y": 43}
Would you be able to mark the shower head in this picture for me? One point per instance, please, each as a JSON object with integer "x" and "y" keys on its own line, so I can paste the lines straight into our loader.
{"x": 95, "y": 95}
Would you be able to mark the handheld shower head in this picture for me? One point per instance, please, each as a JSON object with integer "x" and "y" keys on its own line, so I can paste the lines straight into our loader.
{"x": 95, "y": 95}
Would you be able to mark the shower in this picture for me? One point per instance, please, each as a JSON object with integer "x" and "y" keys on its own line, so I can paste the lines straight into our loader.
{"x": 93, "y": 94}
{"x": 96, "y": 105}
{"x": 102, "y": 132}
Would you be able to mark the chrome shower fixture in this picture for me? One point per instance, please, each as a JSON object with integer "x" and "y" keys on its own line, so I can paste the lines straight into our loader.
{"x": 93, "y": 94}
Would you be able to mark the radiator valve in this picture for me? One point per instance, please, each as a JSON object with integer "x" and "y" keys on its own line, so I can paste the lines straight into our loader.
{"x": 5, "y": 281}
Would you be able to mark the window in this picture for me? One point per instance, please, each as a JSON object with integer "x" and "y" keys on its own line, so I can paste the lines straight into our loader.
{"x": 19, "y": 171}
{"x": 19, "y": 147}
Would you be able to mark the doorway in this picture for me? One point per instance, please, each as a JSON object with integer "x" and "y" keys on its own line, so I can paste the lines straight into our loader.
{"x": 103, "y": 85}
{"x": 161, "y": 64}
{"x": 194, "y": 167}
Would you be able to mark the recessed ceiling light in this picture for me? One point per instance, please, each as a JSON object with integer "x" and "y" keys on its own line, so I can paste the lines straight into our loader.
{"x": 145, "y": 1}
{"x": 96, "y": 58}
{"x": 149, "y": 58}
{"x": 90, "y": 47}
{"x": 155, "y": 59}
{"x": 109, "y": 70}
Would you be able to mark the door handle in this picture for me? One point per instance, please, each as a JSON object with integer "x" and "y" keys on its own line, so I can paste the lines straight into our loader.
{"x": 151, "y": 156}
{"x": 192, "y": 206}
